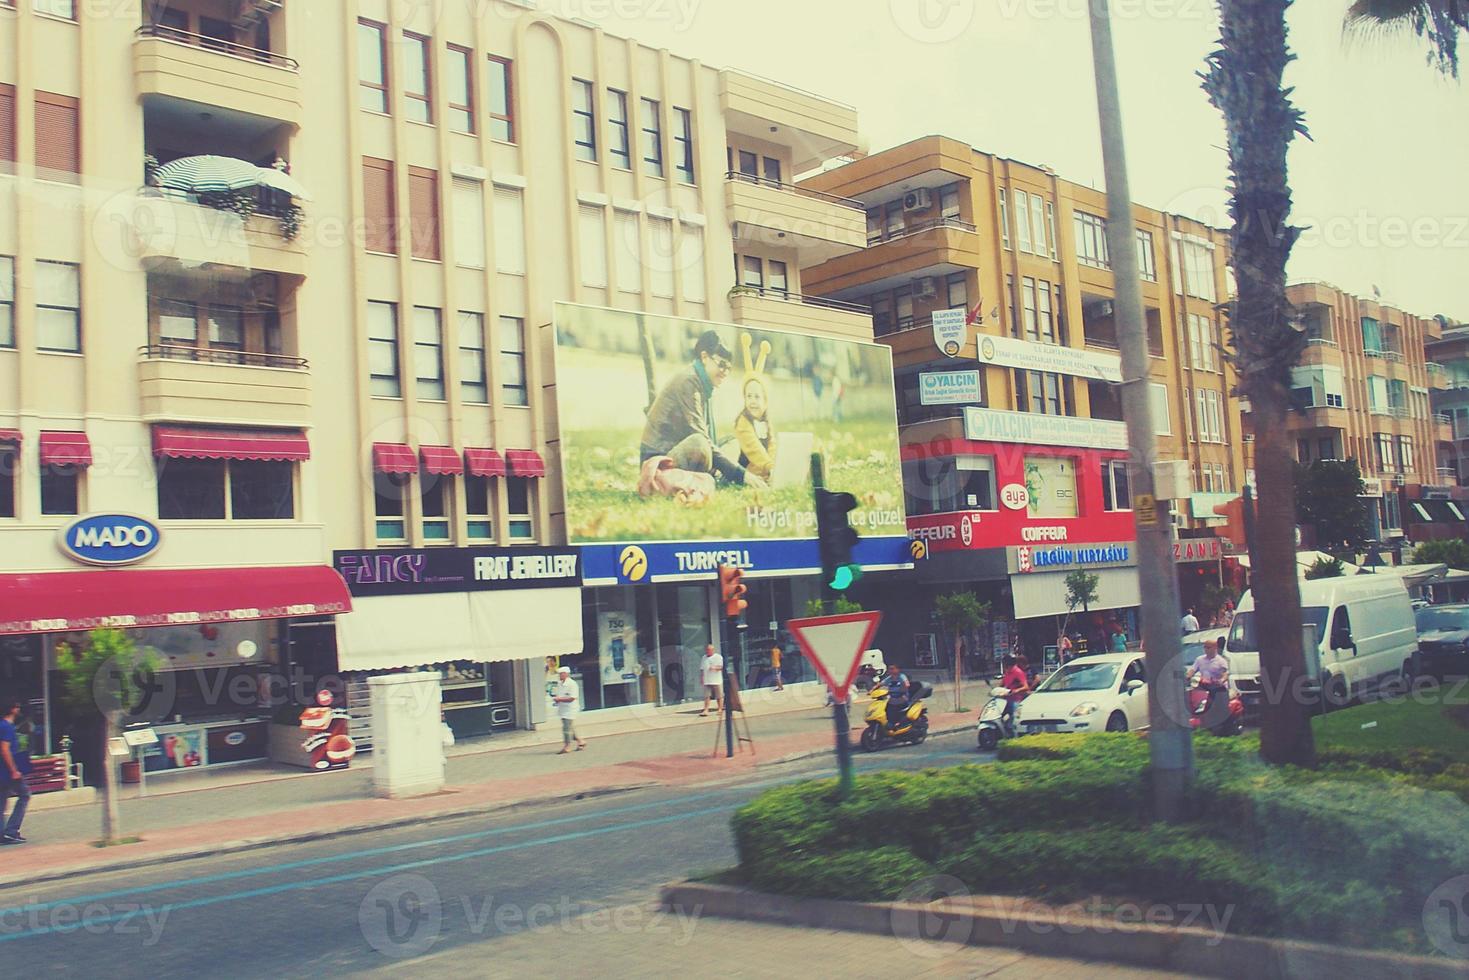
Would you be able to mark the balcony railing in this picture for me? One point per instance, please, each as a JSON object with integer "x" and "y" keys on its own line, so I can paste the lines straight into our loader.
{"x": 1443, "y": 418}
{"x": 217, "y": 355}
{"x": 1372, "y": 352}
{"x": 1391, "y": 355}
{"x": 776, "y": 185}
{"x": 769, "y": 292}
{"x": 1447, "y": 473}
{"x": 1320, "y": 342}
{"x": 230, "y": 48}
{"x": 922, "y": 227}
{"x": 1400, "y": 412}
{"x": 1435, "y": 368}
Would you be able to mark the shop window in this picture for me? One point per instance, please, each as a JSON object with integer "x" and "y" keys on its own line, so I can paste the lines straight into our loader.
{"x": 261, "y": 490}
{"x": 478, "y": 509}
{"x": 976, "y": 482}
{"x": 502, "y": 105}
{"x": 216, "y": 489}
{"x": 388, "y": 491}
{"x": 513, "y": 385}
{"x": 433, "y": 497}
{"x": 9, "y": 456}
{"x": 459, "y": 63}
{"x": 1116, "y": 491}
{"x": 618, "y": 143}
{"x": 372, "y": 66}
{"x": 518, "y": 494}
{"x": 1051, "y": 484}
{"x": 59, "y": 490}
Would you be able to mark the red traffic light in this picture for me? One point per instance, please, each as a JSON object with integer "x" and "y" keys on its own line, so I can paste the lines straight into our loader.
{"x": 732, "y": 590}
{"x": 1234, "y": 513}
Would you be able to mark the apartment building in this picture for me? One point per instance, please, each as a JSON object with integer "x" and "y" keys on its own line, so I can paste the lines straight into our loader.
{"x": 1014, "y": 452}
{"x": 279, "y": 280}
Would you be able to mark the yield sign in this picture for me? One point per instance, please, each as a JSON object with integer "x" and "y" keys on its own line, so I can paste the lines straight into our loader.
{"x": 835, "y": 644}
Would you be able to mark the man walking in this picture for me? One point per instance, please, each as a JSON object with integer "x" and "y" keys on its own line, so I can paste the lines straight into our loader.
{"x": 1190, "y": 622}
{"x": 713, "y": 675}
{"x": 567, "y": 699}
{"x": 13, "y": 767}
{"x": 775, "y": 667}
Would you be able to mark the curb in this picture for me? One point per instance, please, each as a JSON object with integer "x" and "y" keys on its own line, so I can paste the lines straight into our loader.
{"x": 303, "y": 837}
{"x": 1022, "y": 924}
{"x": 828, "y": 749}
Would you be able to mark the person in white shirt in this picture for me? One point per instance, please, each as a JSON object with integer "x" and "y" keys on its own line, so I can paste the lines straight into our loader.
{"x": 1190, "y": 623}
{"x": 713, "y": 671}
{"x": 567, "y": 699}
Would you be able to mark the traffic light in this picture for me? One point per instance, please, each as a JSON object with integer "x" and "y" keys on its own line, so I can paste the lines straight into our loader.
{"x": 732, "y": 590}
{"x": 836, "y": 537}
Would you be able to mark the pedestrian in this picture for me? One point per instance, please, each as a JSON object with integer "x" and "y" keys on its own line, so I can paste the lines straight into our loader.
{"x": 568, "y": 700}
{"x": 1190, "y": 622}
{"x": 1119, "y": 639}
{"x": 14, "y": 764}
{"x": 775, "y": 667}
{"x": 713, "y": 671}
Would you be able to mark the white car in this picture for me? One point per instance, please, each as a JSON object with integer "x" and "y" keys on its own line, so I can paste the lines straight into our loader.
{"x": 1106, "y": 692}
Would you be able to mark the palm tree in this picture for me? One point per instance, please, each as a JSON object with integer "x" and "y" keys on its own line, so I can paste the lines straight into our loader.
{"x": 1440, "y": 21}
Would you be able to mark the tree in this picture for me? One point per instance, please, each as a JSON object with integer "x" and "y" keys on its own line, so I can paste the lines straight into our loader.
{"x": 1243, "y": 81}
{"x": 102, "y": 680}
{"x": 1325, "y": 567}
{"x": 960, "y": 612}
{"x": 1440, "y": 21}
{"x": 1081, "y": 590}
{"x": 1328, "y": 496}
{"x": 1453, "y": 552}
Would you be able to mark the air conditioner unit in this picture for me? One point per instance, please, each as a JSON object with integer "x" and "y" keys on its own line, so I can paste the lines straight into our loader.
{"x": 918, "y": 200}
{"x": 924, "y": 288}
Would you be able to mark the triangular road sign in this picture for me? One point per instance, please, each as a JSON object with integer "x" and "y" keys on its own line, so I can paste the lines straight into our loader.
{"x": 835, "y": 644}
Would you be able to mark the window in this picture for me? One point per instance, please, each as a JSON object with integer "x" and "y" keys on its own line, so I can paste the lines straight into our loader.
{"x": 660, "y": 243}
{"x": 1393, "y": 521}
{"x": 423, "y": 212}
{"x": 372, "y": 66}
{"x": 949, "y": 201}
{"x": 381, "y": 231}
{"x": 7, "y": 301}
{"x": 58, "y": 307}
{"x": 893, "y": 220}
{"x": 65, "y": 9}
{"x": 509, "y": 231}
{"x": 1091, "y": 240}
{"x": 1371, "y": 336}
{"x": 9, "y": 453}
{"x": 1146, "y": 265}
{"x": 943, "y": 485}
{"x": 433, "y": 505}
{"x": 772, "y": 169}
{"x": 629, "y": 251}
{"x": 1327, "y": 448}
{"x": 1051, "y": 482}
{"x": 469, "y": 223}
{"x": 618, "y": 143}
{"x": 956, "y": 293}
{"x": 1037, "y": 221}
{"x": 58, "y": 139}
{"x": 178, "y": 323}
{"x": 1042, "y": 393}
{"x": 502, "y": 100}
{"x": 382, "y": 350}
{"x": 1377, "y": 393}
{"x": 7, "y": 128}
{"x": 1203, "y": 338}
{"x": 1162, "y": 419}
{"x": 976, "y": 482}
{"x": 59, "y": 489}
{"x": 779, "y": 283}
{"x": 874, "y": 226}
{"x": 1045, "y": 324}
{"x": 1384, "y": 452}
{"x": 218, "y": 489}
{"x": 513, "y": 388}
{"x": 592, "y": 245}
{"x": 1027, "y": 302}
{"x": 1405, "y": 452}
{"x": 428, "y": 353}
{"x": 882, "y": 314}
{"x": 481, "y": 523}
{"x": 1116, "y": 493}
{"x": 1198, "y": 267}
{"x": 227, "y": 331}
{"x": 683, "y": 144}
{"x": 693, "y": 273}
{"x": 652, "y": 139}
{"x": 518, "y": 498}
{"x": 474, "y": 382}
{"x": 1022, "y": 219}
{"x": 459, "y": 88}
{"x": 583, "y": 119}
{"x": 1211, "y": 415}
{"x": 749, "y": 164}
{"x": 1004, "y": 220}
{"x": 417, "y": 78}
{"x": 903, "y": 298}
{"x": 388, "y": 493}
{"x": 752, "y": 272}
{"x": 1051, "y": 226}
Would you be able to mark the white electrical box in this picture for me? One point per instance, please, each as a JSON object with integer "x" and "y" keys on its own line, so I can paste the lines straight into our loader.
{"x": 1172, "y": 480}
{"x": 407, "y": 734}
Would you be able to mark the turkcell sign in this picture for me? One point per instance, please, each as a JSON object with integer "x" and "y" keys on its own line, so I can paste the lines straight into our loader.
{"x": 645, "y": 562}
{"x": 948, "y": 387}
{"x": 110, "y": 539}
{"x": 992, "y": 425}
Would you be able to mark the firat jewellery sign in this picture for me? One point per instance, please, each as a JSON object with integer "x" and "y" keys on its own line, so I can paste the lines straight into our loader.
{"x": 992, "y": 425}
{"x": 1053, "y": 358}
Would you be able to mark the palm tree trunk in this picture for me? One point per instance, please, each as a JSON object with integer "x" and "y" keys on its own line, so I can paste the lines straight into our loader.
{"x": 111, "y": 817}
{"x": 1244, "y": 82}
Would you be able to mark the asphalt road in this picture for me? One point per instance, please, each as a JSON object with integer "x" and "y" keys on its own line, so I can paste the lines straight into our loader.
{"x": 371, "y": 901}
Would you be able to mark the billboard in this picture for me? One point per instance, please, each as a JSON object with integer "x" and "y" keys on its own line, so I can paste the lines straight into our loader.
{"x": 675, "y": 429}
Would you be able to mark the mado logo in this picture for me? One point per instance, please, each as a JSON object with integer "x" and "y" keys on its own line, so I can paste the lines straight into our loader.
{"x": 110, "y": 539}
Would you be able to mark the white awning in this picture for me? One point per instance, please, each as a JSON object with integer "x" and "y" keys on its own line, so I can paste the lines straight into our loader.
{"x": 1044, "y": 593}
{"x": 383, "y": 632}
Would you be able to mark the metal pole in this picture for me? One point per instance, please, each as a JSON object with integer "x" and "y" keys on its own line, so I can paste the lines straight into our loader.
{"x": 726, "y": 647}
{"x": 1170, "y": 741}
{"x": 838, "y": 705}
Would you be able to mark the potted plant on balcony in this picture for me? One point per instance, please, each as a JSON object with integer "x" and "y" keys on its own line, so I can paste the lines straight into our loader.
{"x": 741, "y": 290}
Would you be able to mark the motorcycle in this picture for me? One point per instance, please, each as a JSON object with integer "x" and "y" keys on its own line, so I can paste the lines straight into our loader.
{"x": 992, "y": 723}
{"x": 1201, "y": 699}
{"x": 911, "y": 726}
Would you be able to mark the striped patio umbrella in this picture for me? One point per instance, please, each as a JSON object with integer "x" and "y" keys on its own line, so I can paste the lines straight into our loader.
{"x": 281, "y": 181}
{"x": 207, "y": 174}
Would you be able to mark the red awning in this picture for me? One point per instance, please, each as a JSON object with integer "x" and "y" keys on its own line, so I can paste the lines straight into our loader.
{"x": 393, "y": 457}
{"x": 441, "y": 460}
{"x": 263, "y": 444}
{"x": 65, "y": 449}
{"x": 525, "y": 462}
{"x": 9, "y": 435}
{"x": 64, "y": 602}
{"x": 484, "y": 462}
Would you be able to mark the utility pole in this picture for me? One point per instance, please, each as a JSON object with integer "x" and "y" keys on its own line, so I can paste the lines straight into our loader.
{"x": 838, "y": 707}
{"x": 1170, "y": 740}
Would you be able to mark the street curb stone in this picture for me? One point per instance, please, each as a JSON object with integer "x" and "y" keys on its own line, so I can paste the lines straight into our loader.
{"x": 1058, "y": 933}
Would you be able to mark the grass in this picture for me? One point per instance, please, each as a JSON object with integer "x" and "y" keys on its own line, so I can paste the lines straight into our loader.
{"x": 1400, "y": 725}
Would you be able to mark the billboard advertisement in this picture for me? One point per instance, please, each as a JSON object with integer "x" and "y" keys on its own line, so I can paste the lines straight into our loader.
{"x": 677, "y": 430}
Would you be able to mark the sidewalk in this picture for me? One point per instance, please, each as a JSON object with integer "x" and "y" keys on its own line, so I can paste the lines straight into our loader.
{"x": 320, "y": 805}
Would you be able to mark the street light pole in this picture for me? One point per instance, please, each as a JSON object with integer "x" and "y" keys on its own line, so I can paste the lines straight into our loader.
{"x": 1170, "y": 740}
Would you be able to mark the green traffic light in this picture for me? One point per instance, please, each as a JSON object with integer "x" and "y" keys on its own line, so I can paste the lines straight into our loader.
{"x": 844, "y": 576}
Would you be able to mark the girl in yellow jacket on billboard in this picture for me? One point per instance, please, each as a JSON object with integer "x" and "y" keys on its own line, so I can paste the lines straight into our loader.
{"x": 753, "y": 429}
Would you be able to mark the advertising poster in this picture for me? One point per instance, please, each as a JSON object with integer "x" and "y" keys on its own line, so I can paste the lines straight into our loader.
{"x": 617, "y": 639}
{"x": 684, "y": 430}
{"x": 176, "y": 750}
{"x": 1050, "y": 483}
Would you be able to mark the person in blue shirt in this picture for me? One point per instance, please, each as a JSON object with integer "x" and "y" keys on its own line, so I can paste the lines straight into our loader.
{"x": 13, "y": 767}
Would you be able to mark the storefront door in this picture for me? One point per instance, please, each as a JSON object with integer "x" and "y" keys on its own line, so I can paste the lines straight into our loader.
{"x": 685, "y": 627}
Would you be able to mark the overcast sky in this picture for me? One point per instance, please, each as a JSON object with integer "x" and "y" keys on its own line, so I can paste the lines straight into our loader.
{"x": 1386, "y": 180}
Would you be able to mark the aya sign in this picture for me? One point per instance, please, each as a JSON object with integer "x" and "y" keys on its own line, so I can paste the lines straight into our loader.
{"x": 834, "y": 645}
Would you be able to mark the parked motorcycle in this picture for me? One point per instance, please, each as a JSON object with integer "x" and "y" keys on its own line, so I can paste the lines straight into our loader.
{"x": 993, "y": 725}
{"x": 910, "y": 726}
{"x": 1202, "y": 699}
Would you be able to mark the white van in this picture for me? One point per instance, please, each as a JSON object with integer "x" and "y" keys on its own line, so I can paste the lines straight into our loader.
{"x": 1365, "y": 630}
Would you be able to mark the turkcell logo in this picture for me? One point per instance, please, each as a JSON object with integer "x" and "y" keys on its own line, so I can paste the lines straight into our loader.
{"x": 110, "y": 539}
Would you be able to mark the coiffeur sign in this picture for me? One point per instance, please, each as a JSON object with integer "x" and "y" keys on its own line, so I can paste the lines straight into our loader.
{"x": 946, "y": 532}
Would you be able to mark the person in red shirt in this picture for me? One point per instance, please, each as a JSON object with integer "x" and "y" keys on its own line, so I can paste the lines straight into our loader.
{"x": 1017, "y": 682}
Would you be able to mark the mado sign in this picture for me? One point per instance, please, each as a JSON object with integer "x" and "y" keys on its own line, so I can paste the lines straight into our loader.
{"x": 948, "y": 387}
{"x": 110, "y": 539}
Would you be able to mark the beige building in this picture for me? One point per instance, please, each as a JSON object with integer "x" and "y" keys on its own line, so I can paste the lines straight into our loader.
{"x": 353, "y": 350}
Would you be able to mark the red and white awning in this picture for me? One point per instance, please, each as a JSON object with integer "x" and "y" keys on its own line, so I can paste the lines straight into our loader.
{"x": 525, "y": 462}
{"x": 175, "y": 442}
{"x": 484, "y": 462}
{"x": 65, "y": 449}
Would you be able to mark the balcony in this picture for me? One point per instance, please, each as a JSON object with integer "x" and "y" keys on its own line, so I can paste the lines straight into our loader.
{"x": 802, "y": 314}
{"x": 935, "y": 247}
{"x": 767, "y": 212}
{"x": 816, "y": 128}
{"x": 1320, "y": 417}
{"x": 174, "y": 64}
{"x": 174, "y": 232}
{"x": 187, "y": 384}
